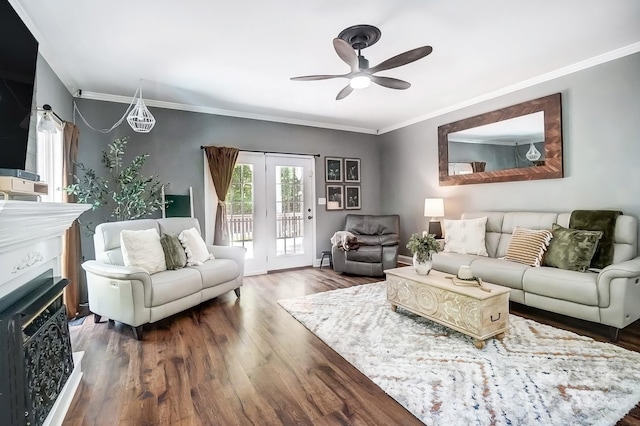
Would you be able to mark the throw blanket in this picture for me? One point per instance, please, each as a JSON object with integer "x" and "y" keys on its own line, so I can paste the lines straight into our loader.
{"x": 598, "y": 220}
{"x": 345, "y": 240}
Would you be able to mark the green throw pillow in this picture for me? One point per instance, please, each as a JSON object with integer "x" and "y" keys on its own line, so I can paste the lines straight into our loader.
{"x": 571, "y": 249}
{"x": 174, "y": 254}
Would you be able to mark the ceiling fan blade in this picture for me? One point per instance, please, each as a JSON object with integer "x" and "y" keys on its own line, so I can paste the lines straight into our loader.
{"x": 344, "y": 92}
{"x": 346, "y": 53}
{"x": 402, "y": 59}
{"x": 391, "y": 83}
{"x": 317, "y": 77}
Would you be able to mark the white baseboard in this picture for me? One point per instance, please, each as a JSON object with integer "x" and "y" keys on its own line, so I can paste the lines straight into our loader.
{"x": 405, "y": 260}
{"x": 61, "y": 406}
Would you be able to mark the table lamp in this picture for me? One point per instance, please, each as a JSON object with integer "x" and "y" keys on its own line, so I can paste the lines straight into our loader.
{"x": 434, "y": 207}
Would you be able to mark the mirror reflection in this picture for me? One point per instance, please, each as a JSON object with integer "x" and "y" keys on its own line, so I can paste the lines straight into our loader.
{"x": 508, "y": 144}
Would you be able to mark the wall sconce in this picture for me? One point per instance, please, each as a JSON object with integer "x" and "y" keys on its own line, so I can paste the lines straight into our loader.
{"x": 50, "y": 121}
{"x": 434, "y": 207}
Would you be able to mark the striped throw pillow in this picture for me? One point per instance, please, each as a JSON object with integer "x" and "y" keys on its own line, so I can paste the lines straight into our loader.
{"x": 528, "y": 246}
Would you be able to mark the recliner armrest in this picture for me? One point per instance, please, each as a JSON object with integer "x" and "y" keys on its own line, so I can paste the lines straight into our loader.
{"x": 626, "y": 269}
{"x": 116, "y": 272}
{"x": 229, "y": 252}
{"x": 122, "y": 273}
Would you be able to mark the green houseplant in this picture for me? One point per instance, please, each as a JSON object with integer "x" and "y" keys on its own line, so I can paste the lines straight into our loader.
{"x": 128, "y": 193}
{"x": 422, "y": 247}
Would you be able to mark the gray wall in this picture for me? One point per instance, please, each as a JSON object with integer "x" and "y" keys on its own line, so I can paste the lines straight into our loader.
{"x": 175, "y": 154}
{"x": 601, "y": 136}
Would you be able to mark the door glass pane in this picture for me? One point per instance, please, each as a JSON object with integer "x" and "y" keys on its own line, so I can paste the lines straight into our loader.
{"x": 289, "y": 210}
{"x": 239, "y": 204}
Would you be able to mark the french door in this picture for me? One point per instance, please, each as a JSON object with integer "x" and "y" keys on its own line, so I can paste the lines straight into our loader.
{"x": 270, "y": 209}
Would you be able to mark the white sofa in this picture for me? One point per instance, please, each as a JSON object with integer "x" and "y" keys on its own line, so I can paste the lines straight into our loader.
{"x": 131, "y": 296}
{"x": 610, "y": 296}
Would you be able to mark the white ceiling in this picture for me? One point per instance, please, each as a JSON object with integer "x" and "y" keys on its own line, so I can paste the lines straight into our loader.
{"x": 236, "y": 57}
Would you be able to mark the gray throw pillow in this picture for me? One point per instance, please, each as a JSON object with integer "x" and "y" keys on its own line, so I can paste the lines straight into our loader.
{"x": 571, "y": 249}
{"x": 174, "y": 254}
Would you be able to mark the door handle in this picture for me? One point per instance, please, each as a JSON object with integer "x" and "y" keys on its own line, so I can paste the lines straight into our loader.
{"x": 309, "y": 217}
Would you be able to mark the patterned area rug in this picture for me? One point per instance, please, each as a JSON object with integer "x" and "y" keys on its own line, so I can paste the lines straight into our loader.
{"x": 536, "y": 375}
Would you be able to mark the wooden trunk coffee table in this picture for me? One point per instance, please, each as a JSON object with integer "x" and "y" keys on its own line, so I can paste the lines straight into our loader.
{"x": 469, "y": 310}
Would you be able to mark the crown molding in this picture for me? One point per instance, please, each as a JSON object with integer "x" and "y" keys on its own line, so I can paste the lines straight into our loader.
{"x": 561, "y": 72}
{"x": 225, "y": 112}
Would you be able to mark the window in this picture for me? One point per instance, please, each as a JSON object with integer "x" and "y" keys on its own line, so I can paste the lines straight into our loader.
{"x": 50, "y": 163}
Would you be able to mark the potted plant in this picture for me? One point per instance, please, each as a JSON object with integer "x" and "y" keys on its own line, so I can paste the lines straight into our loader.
{"x": 422, "y": 247}
{"x": 126, "y": 192}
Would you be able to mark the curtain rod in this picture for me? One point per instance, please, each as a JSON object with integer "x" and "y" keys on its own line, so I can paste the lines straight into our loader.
{"x": 272, "y": 152}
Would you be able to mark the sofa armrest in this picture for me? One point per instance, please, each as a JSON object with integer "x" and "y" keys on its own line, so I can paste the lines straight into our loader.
{"x": 228, "y": 252}
{"x": 122, "y": 273}
{"x": 626, "y": 271}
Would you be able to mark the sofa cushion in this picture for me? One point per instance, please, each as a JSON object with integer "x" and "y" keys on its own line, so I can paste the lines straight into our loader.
{"x": 499, "y": 271}
{"x": 466, "y": 236}
{"x": 528, "y": 246}
{"x": 366, "y": 254}
{"x": 168, "y": 286}
{"x": 217, "y": 271}
{"x": 572, "y": 286}
{"x": 451, "y": 262}
{"x": 571, "y": 249}
{"x": 174, "y": 254}
{"x": 142, "y": 248}
{"x": 194, "y": 247}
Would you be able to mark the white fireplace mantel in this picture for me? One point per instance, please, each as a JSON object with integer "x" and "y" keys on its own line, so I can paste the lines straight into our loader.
{"x": 31, "y": 239}
{"x": 31, "y": 244}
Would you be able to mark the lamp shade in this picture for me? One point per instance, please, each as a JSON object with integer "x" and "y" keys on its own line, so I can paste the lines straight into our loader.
{"x": 434, "y": 207}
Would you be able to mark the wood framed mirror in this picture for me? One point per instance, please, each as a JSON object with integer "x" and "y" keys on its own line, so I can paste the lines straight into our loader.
{"x": 520, "y": 142}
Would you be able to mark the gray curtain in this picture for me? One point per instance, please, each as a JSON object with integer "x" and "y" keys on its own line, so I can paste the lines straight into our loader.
{"x": 221, "y": 161}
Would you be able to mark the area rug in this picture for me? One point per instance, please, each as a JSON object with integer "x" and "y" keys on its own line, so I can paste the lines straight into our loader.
{"x": 537, "y": 374}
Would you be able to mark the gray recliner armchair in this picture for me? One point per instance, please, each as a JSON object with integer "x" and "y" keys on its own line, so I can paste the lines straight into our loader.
{"x": 378, "y": 237}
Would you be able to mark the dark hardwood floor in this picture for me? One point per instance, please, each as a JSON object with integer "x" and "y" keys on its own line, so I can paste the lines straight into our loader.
{"x": 246, "y": 362}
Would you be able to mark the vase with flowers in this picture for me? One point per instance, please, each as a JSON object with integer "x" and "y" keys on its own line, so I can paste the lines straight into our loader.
{"x": 422, "y": 247}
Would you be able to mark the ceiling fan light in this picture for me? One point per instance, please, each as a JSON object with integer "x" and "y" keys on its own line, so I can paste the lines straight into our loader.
{"x": 533, "y": 154}
{"x": 360, "y": 81}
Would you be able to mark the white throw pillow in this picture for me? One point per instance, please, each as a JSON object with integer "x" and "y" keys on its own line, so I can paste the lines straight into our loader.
{"x": 194, "y": 247}
{"x": 143, "y": 249}
{"x": 465, "y": 236}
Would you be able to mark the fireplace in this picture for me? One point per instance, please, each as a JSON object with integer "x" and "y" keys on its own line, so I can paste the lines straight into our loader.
{"x": 36, "y": 357}
{"x": 39, "y": 372}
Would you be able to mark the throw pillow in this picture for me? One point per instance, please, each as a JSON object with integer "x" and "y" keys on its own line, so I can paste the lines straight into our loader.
{"x": 174, "y": 254}
{"x": 528, "y": 246}
{"x": 143, "y": 249}
{"x": 194, "y": 247}
{"x": 571, "y": 249}
{"x": 465, "y": 236}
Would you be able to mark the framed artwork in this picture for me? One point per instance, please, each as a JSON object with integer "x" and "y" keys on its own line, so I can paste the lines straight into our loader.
{"x": 333, "y": 169}
{"x": 352, "y": 170}
{"x": 352, "y": 197}
{"x": 335, "y": 197}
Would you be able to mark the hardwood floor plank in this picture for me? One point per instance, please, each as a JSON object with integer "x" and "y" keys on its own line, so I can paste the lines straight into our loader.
{"x": 246, "y": 361}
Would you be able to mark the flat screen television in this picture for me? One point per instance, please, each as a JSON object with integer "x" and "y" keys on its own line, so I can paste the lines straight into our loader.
{"x": 18, "y": 55}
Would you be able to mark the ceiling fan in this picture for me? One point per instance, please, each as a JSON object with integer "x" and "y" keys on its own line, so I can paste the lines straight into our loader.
{"x": 359, "y": 37}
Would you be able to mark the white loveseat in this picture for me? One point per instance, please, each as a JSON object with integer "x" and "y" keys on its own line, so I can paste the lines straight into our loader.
{"x": 610, "y": 296}
{"x": 131, "y": 296}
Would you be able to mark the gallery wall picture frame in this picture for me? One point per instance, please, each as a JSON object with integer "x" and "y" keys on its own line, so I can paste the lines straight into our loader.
{"x": 332, "y": 169}
{"x": 352, "y": 197}
{"x": 335, "y": 197}
{"x": 352, "y": 170}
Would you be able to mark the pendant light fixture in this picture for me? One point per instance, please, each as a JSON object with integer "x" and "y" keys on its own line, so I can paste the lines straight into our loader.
{"x": 533, "y": 154}
{"x": 140, "y": 118}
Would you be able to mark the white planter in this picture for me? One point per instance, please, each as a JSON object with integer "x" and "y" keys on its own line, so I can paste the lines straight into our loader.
{"x": 422, "y": 268}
